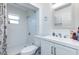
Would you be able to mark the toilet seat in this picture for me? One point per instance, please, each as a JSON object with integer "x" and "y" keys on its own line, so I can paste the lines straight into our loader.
{"x": 29, "y": 50}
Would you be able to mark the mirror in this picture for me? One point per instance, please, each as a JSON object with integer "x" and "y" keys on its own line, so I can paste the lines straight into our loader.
{"x": 63, "y": 16}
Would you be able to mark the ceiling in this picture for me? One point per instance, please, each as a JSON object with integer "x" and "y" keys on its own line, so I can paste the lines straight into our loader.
{"x": 24, "y": 6}
{"x": 59, "y": 5}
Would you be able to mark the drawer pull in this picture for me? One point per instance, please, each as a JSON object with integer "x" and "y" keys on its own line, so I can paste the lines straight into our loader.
{"x": 52, "y": 50}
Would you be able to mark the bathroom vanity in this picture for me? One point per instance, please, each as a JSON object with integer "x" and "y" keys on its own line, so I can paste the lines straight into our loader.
{"x": 58, "y": 46}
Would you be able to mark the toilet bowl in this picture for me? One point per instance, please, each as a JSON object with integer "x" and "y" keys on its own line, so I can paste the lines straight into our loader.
{"x": 29, "y": 50}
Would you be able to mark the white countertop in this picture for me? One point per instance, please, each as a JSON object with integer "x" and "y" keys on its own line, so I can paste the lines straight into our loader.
{"x": 64, "y": 41}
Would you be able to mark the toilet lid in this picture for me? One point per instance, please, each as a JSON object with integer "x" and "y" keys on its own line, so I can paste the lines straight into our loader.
{"x": 29, "y": 49}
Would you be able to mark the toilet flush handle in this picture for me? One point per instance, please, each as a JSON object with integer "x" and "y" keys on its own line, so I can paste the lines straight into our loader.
{"x": 29, "y": 33}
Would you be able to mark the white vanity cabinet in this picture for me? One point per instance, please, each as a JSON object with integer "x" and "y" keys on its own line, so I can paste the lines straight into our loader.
{"x": 50, "y": 48}
{"x": 64, "y": 50}
{"x": 47, "y": 48}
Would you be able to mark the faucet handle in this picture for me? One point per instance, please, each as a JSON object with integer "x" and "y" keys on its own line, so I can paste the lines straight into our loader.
{"x": 65, "y": 36}
{"x": 53, "y": 34}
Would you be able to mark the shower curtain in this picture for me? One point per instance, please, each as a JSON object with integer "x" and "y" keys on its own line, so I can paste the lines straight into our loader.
{"x": 3, "y": 28}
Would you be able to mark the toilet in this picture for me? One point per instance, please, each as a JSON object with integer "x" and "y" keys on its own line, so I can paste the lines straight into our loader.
{"x": 29, "y": 50}
{"x": 32, "y": 48}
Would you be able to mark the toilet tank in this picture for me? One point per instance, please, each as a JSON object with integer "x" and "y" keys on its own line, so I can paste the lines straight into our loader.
{"x": 36, "y": 41}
